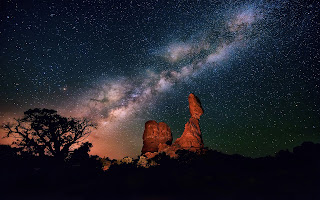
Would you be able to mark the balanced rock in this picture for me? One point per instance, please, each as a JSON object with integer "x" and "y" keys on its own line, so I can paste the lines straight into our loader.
{"x": 191, "y": 138}
{"x": 154, "y": 135}
{"x": 157, "y": 137}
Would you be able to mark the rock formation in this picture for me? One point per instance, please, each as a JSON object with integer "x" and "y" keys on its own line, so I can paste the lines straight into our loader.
{"x": 195, "y": 106}
{"x": 191, "y": 138}
{"x": 158, "y": 138}
{"x": 154, "y": 135}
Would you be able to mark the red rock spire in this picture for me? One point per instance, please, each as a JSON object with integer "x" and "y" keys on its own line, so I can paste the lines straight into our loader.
{"x": 191, "y": 138}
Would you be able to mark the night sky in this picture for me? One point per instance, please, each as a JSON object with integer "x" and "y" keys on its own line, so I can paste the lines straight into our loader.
{"x": 253, "y": 64}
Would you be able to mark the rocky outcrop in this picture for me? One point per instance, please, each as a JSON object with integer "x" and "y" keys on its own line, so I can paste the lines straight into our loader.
{"x": 155, "y": 134}
{"x": 191, "y": 138}
{"x": 158, "y": 138}
{"x": 195, "y": 107}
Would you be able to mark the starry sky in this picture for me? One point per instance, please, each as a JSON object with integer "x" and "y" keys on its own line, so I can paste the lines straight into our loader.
{"x": 253, "y": 64}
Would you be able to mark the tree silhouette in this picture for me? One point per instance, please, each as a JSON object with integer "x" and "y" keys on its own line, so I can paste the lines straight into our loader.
{"x": 44, "y": 132}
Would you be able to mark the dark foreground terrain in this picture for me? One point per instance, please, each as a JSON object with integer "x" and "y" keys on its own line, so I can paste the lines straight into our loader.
{"x": 213, "y": 175}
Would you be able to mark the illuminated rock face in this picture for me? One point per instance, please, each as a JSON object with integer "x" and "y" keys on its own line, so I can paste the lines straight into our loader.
{"x": 158, "y": 138}
{"x": 195, "y": 106}
{"x": 191, "y": 138}
{"x": 155, "y": 134}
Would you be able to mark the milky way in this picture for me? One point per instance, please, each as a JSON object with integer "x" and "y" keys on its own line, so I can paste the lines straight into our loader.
{"x": 116, "y": 102}
{"x": 119, "y": 99}
{"x": 253, "y": 64}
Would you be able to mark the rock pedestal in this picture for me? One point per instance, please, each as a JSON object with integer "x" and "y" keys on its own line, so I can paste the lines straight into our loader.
{"x": 191, "y": 138}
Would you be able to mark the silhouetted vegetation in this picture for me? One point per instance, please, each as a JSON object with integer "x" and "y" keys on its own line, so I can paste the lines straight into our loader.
{"x": 288, "y": 175}
{"x": 44, "y": 132}
{"x": 29, "y": 174}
